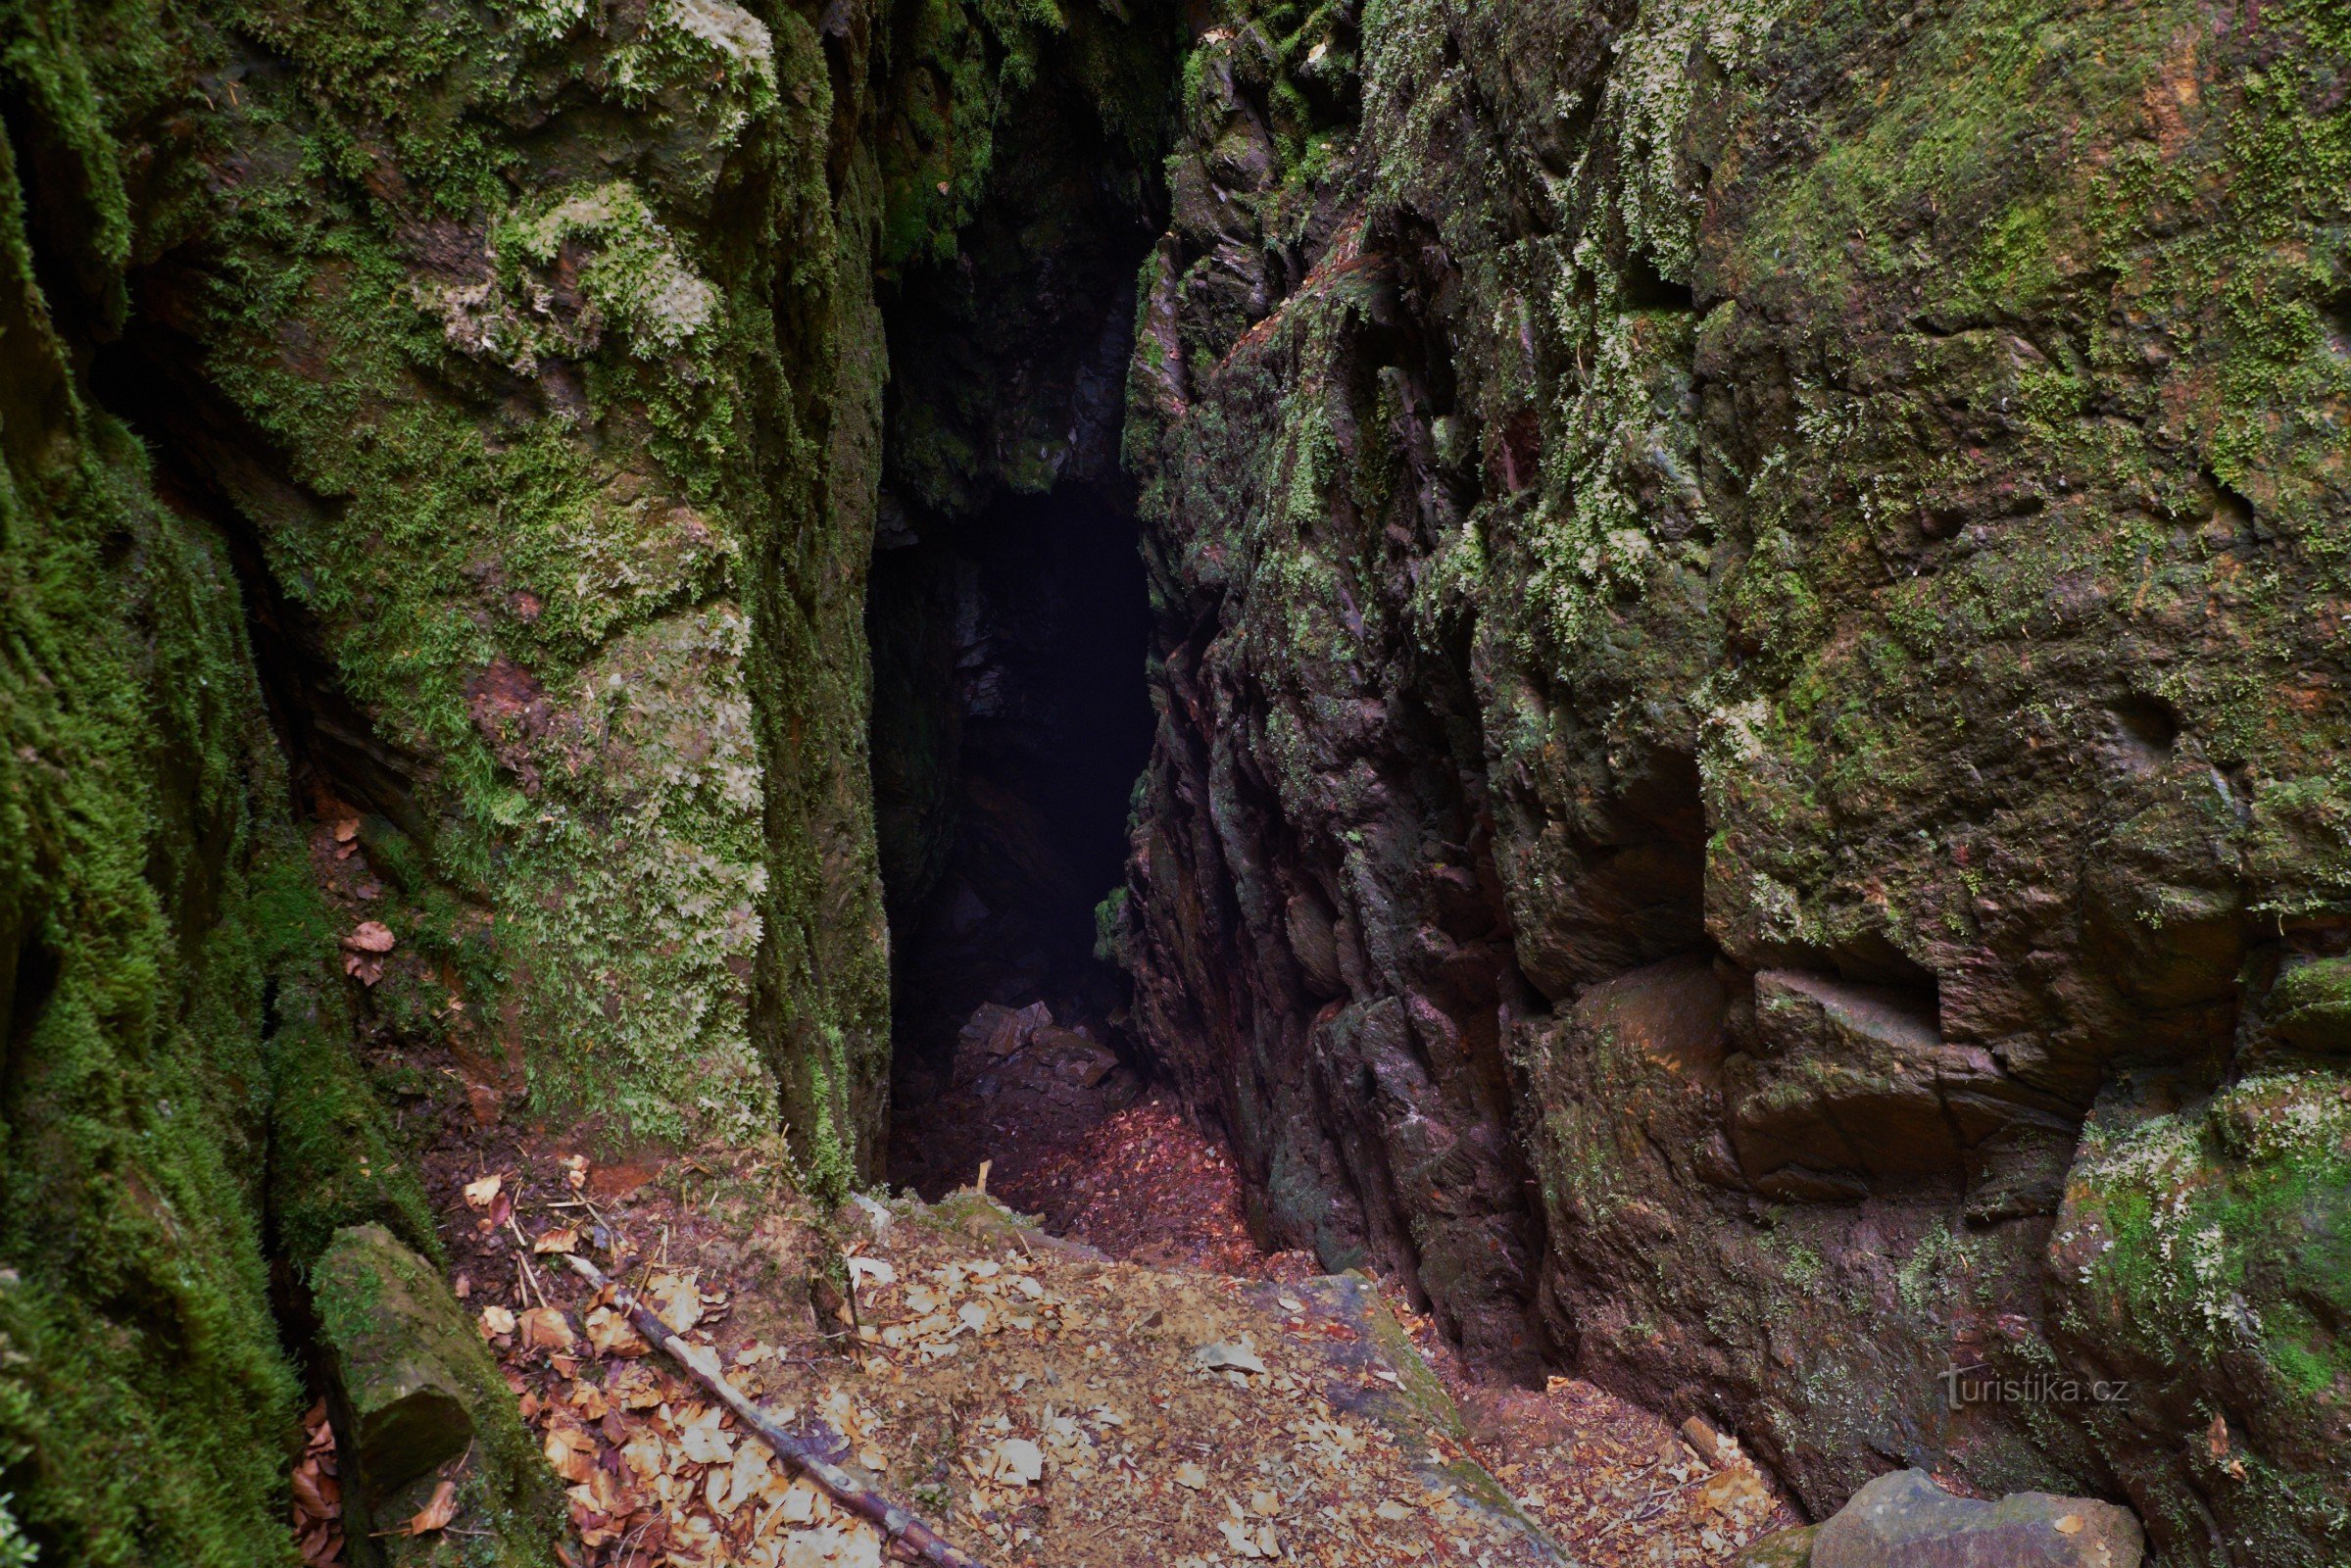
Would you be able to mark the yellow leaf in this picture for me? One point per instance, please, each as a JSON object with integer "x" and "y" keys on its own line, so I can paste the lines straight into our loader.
{"x": 483, "y": 1193}
{"x": 496, "y": 1320}
{"x": 570, "y": 1453}
{"x": 1735, "y": 1487}
{"x": 2070, "y": 1525}
{"x": 609, "y": 1334}
{"x": 562, "y": 1239}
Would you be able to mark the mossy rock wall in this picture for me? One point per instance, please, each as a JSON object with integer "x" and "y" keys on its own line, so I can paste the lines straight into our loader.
{"x": 466, "y": 418}
{"x": 177, "y": 1103}
{"x": 1745, "y": 599}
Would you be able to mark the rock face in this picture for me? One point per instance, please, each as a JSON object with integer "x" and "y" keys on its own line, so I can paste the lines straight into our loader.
{"x": 465, "y": 420}
{"x": 1748, "y": 786}
{"x": 179, "y": 1105}
{"x": 1904, "y": 1520}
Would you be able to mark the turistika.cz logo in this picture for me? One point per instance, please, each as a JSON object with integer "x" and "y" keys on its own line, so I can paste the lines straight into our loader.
{"x": 1964, "y": 1386}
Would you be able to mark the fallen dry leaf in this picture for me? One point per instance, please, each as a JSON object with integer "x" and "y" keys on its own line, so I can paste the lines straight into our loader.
{"x": 1257, "y": 1543}
{"x": 496, "y": 1320}
{"x": 480, "y": 1194}
{"x": 1017, "y": 1462}
{"x": 436, "y": 1514}
{"x": 546, "y": 1326}
{"x": 677, "y": 1303}
{"x": 562, "y": 1239}
{"x": 309, "y": 1494}
{"x": 571, "y": 1452}
{"x": 609, "y": 1334}
{"x": 1229, "y": 1358}
{"x": 371, "y": 936}
{"x": 1734, "y": 1488}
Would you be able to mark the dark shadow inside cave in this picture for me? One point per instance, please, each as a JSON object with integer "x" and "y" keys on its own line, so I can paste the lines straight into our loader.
{"x": 1011, "y": 721}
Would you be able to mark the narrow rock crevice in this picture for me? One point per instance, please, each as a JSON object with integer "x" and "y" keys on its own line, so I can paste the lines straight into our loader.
{"x": 1010, "y": 721}
{"x": 213, "y": 465}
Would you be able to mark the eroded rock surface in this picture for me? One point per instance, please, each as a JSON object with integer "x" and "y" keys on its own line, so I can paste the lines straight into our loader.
{"x": 1749, "y": 778}
{"x": 1904, "y": 1520}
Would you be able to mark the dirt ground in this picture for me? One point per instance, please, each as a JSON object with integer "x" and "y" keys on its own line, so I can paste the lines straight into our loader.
{"x": 1090, "y": 1363}
{"x": 1044, "y": 1404}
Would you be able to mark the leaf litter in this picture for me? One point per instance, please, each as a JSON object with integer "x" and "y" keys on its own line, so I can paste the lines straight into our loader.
{"x": 1039, "y": 1403}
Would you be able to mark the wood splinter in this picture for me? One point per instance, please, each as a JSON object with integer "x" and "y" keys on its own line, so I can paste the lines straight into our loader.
{"x": 907, "y": 1535}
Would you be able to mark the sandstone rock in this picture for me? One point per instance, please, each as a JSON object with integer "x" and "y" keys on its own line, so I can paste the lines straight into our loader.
{"x": 413, "y": 1391}
{"x": 1786, "y": 1548}
{"x": 1854, "y": 1084}
{"x": 1598, "y": 876}
{"x": 996, "y": 1029}
{"x": 395, "y": 1342}
{"x": 1904, "y": 1520}
{"x": 2311, "y": 1005}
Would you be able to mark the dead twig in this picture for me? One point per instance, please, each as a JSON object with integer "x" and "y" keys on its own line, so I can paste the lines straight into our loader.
{"x": 904, "y": 1532}
{"x": 523, "y": 1256}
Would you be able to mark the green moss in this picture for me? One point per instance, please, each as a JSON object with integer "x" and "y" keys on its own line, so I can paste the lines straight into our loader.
{"x": 133, "y": 767}
{"x": 389, "y": 1329}
{"x": 333, "y": 1161}
{"x": 2311, "y": 1005}
{"x": 181, "y": 1104}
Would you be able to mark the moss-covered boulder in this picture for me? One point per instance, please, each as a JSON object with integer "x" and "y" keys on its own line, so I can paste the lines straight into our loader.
{"x": 2311, "y": 1005}
{"x": 1784, "y": 1548}
{"x": 416, "y": 1400}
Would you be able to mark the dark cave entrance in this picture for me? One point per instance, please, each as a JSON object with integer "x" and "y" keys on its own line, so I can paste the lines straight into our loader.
{"x": 1011, "y": 719}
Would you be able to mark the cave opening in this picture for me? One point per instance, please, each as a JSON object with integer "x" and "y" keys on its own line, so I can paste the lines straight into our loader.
{"x": 1011, "y": 719}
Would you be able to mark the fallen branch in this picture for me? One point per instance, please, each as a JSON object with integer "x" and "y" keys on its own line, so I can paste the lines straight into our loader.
{"x": 902, "y": 1530}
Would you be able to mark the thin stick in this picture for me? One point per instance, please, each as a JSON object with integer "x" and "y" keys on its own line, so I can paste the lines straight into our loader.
{"x": 901, "y": 1529}
{"x": 524, "y": 1257}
